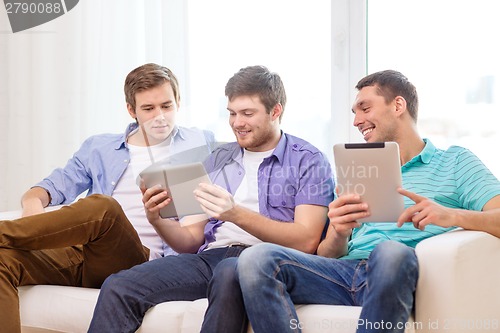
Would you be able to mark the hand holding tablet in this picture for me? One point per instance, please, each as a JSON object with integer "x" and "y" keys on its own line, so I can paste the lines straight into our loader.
{"x": 373, "y": 171}
{"x": 180, "y": 181}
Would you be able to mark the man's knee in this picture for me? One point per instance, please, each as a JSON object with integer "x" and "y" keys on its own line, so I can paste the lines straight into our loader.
{"x": 226, "y": 270}
{"x": 259, "y": 261}
{"x": 257, "y": 255}
{"x": 395, "y": 260}
{"x": 104, "y": 203}
{"x": 395, "y": 252}
{"x": 114, "y": 285}
{"x": 105, "y": 207}
{"x": 224, "y": 281}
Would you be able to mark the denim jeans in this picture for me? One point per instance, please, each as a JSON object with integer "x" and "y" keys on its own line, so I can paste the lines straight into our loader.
{"x": 126, "y": 296}
{"x": 267, "y": 280}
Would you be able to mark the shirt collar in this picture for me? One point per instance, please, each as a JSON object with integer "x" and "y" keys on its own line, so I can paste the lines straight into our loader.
{"x": 280, "y": 149}
{"x": 426, "y": 154}
{"x": 428, "y": 151}
{"x": 176, "y": 133}
{"x": 123, "y": 140}
{"x": 237, "y": 154}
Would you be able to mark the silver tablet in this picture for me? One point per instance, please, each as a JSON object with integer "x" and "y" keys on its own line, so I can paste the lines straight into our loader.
{"x": 180, "y": 182}
{"x": 373, "y": 171}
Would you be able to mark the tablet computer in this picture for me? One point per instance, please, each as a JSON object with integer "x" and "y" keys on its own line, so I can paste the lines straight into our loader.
{"x": 180, "y": 182}
{"x": 373, "y": 171}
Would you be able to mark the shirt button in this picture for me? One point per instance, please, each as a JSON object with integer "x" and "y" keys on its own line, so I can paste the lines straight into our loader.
{"x": 239, "y": 173}
{"x": 295, "y": 145}
{"x": 125, "y": 161}
{"x": 283, "y": 203}
{"x": 113, "y": 183}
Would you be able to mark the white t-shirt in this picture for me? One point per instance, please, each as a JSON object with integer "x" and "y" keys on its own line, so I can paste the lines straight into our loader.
{"x": 247, "y": 195}
{"x": 128, "y": 194}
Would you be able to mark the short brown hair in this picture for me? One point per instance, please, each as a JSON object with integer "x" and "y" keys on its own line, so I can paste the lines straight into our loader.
{"x": 390, "y": 84}
{"x": 146, "y": 77}
{"x": 258, "y": 80}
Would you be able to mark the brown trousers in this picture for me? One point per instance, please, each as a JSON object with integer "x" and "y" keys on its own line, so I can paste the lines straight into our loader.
{"x": 78, "y": 245}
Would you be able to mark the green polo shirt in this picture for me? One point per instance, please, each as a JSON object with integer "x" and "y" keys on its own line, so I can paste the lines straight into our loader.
{"x": 454, "y": 178}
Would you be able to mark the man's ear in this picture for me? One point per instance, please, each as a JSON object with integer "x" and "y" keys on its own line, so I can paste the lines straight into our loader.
{"x": 131, "y": 111}
{"x": 400, "y": 104}
{"x": 277, "y": 111}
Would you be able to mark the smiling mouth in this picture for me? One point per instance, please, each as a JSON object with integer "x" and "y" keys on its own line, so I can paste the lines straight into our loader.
{"x": 242, "y": 132}
{"x": 367, "y": 131}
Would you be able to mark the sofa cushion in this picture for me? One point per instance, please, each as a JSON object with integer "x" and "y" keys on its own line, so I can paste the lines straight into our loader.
{"x": 47, "y": 308}
{"x": 56, "y": 308}
{"x": 69, "y": 309}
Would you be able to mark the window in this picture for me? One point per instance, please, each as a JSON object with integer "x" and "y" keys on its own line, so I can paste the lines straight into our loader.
{"x": 448, "y": 49}
{"x": 290, "y": 37}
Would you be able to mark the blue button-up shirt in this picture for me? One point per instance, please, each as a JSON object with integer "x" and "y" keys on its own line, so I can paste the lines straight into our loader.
{"x": 295, "y": 174}
{"x": 102, "y": 159}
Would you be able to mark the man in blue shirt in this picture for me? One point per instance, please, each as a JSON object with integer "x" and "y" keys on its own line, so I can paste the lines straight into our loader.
{"x": 80, "y": 245}
{"x": 372, "y": 265}
{"x": 268, "y": 186}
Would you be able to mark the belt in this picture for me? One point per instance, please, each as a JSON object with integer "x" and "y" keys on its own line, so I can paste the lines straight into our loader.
{"x": 243, "y": 245}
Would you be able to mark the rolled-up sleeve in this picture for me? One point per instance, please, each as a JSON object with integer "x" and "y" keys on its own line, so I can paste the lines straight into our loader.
{"x": 65, "y": 184}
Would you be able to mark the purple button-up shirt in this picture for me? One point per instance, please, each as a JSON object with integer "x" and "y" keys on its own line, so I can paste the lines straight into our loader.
{"x": 296, "y": 173}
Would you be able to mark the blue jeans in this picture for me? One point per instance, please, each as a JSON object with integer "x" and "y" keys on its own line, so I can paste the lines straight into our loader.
{"x": 126, "y": 296}
{"x": 267, "y": 280}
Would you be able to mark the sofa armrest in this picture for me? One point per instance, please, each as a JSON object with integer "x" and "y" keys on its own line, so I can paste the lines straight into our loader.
{"x": 458, "y": 288}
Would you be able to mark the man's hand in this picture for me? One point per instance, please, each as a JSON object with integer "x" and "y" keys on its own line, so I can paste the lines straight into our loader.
{"x": 215, "y": 201}
{"x": 344, "y": 213}
{"x": 34, "y": 201}
{"x": 425, "y": 211}
{"x": 154, "y": 199}
{"x": 32, "y": 207}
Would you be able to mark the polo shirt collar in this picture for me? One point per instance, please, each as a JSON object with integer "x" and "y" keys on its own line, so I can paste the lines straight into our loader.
{"x": 426, "y": 154}
{"x": 428, "y": 151}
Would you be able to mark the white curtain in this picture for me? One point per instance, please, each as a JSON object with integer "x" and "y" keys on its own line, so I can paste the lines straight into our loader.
{"x": 63, "y": 81}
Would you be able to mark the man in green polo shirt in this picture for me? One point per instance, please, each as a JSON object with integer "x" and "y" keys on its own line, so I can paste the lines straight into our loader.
{"x": 443, "y": 189}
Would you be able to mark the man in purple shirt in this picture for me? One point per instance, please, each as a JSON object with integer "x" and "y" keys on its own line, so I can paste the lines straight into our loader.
{"x": 268, "y": 187}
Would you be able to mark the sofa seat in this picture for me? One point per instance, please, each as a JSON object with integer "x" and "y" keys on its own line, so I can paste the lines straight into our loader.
{"x": 47, "y": 308}
{"x": 458, "y": 291}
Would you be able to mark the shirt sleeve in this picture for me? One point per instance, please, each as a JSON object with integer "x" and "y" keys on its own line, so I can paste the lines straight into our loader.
{"x": 65, "y": 184}
{"x": 316, "y": 185}
{"x": 476, "y": 185}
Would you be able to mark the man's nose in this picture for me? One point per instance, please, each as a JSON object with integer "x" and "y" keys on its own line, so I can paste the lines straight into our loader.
{"x": 159, "y": 114}
{"x": 357, "y": 120}
{"x": 238, "y": 121}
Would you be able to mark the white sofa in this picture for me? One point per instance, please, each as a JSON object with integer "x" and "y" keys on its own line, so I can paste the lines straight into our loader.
{"x": 458, "y": 291}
